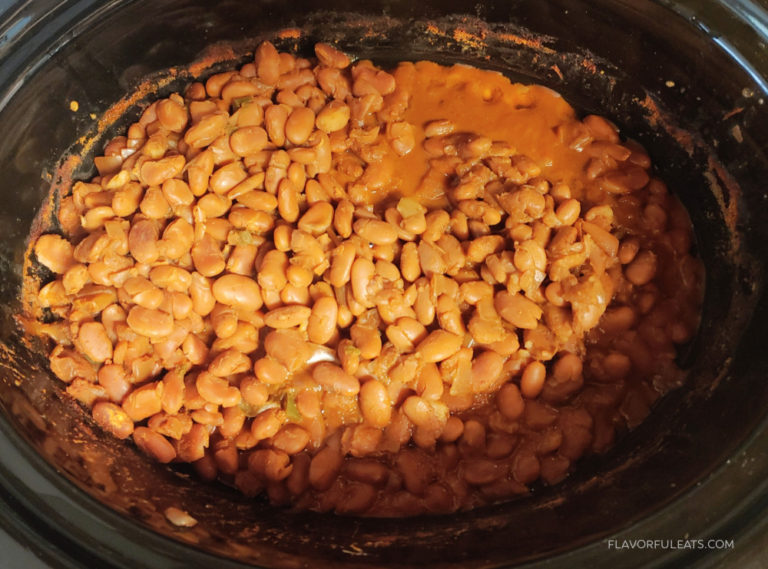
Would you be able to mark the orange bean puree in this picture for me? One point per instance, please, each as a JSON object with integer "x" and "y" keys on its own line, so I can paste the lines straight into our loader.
{"x": 479, "y": 101}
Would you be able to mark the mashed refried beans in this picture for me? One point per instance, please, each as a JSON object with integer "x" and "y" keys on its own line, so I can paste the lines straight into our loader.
{"x": 369, "y": 292}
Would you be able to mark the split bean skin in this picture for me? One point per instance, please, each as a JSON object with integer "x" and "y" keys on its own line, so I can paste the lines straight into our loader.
{"x": 294, "y": 278}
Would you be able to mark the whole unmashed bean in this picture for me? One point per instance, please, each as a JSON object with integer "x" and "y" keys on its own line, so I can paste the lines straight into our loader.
{"x": 373, "y": 292}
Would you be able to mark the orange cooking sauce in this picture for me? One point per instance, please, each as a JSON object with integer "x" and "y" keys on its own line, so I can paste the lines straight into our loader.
{"x": 480, "y": 101}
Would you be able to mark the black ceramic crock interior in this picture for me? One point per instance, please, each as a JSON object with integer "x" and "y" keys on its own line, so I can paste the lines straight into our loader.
{"x": 687, "y": 79}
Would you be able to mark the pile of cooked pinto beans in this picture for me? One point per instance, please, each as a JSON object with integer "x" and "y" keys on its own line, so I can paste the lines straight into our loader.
{"x": 237, "y": 290}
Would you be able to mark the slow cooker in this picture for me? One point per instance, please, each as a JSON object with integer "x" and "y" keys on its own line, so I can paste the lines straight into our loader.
{"x": 686, "y": 78}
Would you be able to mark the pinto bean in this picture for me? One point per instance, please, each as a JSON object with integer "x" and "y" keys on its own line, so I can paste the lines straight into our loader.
{"x": 322, "y": 320}
{"x": 55, "y": 252}
{"x": 217, "y": 390}
{"x": 142, "y": 241}
{"x": 299, "y": 125}
{"x": 154, "y": 444}
{"x": 517, "y": 310}
{"x": 317, "y": 219}
{"x": 333, "y": 377}
{"x": 93, "y": 340}
{"x": 207, "y": 257}
{"x": 238, "y": 291}
{"x": 642, "y": 268}
{"x": 150, "y": 323}
{"x": 375, "y": 404}
{"x": 112, "y": 418}
{"x": 438, "y": 346}
{"x": 375, "y": 231}
{"x": 325, "y": 467}
{"x": 144, "y": 401}
{"x": 330, "y": 56}
{"x": 532, "y": 381}
{"x": 288, "y": 347}
{"x": 287, "y": 316}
